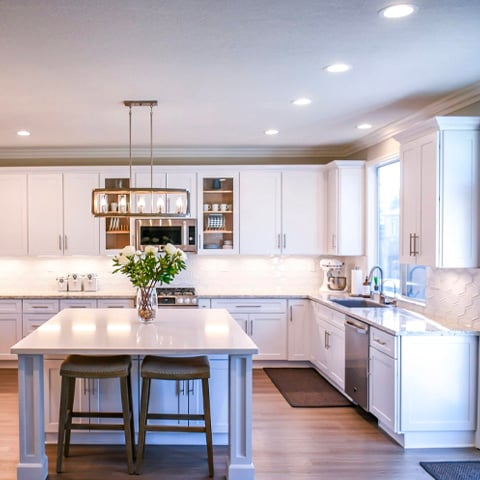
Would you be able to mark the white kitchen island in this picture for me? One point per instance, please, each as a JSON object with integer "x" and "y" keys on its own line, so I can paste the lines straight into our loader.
{"x": 117, "y": 331}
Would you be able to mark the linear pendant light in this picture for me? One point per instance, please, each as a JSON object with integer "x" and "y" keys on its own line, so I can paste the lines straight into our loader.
{"x": 140, "y": 202}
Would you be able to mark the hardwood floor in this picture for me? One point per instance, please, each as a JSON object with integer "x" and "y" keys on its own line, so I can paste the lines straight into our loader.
{"x": 288, "y": 443}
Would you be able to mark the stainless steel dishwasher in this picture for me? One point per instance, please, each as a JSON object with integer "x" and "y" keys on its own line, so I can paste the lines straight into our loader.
{"x": 356, "y": 361}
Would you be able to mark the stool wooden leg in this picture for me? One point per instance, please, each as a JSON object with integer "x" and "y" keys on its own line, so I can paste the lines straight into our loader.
{"x": 127, "y": 414}
{"x": 68, "y": 424}
{"x": 208, "y": 424}
{"x": 142, "y": 424}
{"x": 62, "y": 420}
{"x": 132, "y": 426}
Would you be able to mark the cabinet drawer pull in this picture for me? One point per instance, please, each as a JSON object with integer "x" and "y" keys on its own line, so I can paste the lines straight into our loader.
{"x": 40, "y": 306}
{"x": 381, "y": 342}
{"x": 248, "y": 306}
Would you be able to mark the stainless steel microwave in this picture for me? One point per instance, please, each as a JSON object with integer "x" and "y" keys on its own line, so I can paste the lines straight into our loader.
{"x": 181, "y": 232}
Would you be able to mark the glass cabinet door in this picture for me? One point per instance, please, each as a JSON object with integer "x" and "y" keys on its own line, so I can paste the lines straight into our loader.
{"x": 218, "y": 214}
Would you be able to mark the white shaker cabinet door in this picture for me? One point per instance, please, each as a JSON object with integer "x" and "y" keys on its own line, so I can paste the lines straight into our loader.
{"x": 45, "y": 214}
{"x": 260, "y": 212}
{"x": 81, "y": 228}
{"x": 302, "y": 212}
{"x": 13, "y": 214}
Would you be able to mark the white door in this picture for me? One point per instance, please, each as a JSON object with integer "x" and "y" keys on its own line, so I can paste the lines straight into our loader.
{"x": 260, "y": 212}
{"x": 13, "y": 214}
{"x": 298, "y": 330}
{"x": 45, "y": 214}
{"x": 269, "y": 332}
{"x": 81, "y": 228}
{"x": 302, "y": 212}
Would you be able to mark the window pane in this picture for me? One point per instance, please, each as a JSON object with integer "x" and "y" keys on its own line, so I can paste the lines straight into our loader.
{"x": 388, "y": 191}
{"x": 414, "y": 281}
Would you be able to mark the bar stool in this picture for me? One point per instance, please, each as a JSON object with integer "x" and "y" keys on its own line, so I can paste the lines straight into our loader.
{"x": 95, "y": 367}
{"x": 174, "y": 368}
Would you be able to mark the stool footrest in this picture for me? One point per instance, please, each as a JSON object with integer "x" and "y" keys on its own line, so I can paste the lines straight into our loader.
{"x": 96, "y": 426}
{"x": 174, "y": 416}
{"x": 174, "y": 428}
{"x": 96, "y": 415}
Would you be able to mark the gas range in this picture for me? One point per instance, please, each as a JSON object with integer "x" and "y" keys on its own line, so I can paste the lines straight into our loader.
{"x": 177, "y": 297}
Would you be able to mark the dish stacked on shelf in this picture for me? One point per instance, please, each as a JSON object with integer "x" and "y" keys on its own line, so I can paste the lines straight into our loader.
{"x": 216, "y": 222}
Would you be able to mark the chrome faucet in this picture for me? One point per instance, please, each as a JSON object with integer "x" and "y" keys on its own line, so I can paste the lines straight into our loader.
{"x": 370, "y": 276}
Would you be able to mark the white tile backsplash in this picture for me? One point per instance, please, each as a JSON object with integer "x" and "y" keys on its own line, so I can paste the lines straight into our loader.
{"x": 454, "y": 295}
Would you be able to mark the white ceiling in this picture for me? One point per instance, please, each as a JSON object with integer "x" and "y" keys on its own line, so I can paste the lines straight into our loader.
{"x": 225, "y": 70}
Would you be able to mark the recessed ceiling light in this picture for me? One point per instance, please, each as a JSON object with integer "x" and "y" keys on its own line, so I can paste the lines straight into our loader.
{"x": 337, "y": 68}
{"x": 398, "y": 10}
{"x": 364, "y": 126}
{"x": 271, "y": 131}
{"x": 302, "y": 101}
{"x": 23, "y": 133}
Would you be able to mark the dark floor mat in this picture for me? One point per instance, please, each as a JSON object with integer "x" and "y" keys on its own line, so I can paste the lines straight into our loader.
{"x": 304, "y": 387}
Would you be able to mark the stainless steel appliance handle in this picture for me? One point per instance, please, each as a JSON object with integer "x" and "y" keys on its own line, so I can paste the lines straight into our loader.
{"x": 359, "y": 328}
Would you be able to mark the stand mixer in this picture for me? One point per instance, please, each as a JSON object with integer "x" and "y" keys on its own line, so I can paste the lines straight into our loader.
{"x": 332, "y": 281}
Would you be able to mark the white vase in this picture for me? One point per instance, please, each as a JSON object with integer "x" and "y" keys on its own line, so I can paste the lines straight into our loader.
{"x": 147, "y": 304}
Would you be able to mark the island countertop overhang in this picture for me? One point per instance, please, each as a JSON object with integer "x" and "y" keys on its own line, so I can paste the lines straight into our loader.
{"x": 103, "y": 331}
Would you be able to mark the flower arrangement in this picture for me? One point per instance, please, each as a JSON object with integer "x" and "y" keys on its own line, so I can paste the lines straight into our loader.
{"x": 146, "y": 269}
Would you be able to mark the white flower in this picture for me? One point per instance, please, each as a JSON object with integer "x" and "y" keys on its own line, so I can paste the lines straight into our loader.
{"x": 122, "y": 259}
{"x": 183, "y": 255}
{"x": 128, "y": 251}
{"x": 151, "y": 250}
{"x": 170, "y": 249}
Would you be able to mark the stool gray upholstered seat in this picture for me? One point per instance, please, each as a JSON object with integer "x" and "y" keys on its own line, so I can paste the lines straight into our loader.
{"x": 174, "y": 368}
{"x": 95, "y": 367}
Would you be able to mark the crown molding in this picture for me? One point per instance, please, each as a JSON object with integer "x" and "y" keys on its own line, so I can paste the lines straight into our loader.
{"x": 169, "y": 152}
{"x": 448, "y": 104}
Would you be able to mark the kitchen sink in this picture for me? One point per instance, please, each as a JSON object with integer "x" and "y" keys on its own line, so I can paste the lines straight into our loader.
{"x": 356, "y": 303}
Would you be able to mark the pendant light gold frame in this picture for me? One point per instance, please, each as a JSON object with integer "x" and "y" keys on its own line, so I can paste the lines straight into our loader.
{"x": 140, "y": 202}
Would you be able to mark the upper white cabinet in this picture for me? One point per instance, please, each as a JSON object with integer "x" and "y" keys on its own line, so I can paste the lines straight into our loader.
{"x": 13, "y": 214}
{"x": 345, "y": 208}
{"x": 439, "y": 199}
{"x": 281, "y": 211}
{"x": 166, "y": 179}
{"x": 59, "y": 217}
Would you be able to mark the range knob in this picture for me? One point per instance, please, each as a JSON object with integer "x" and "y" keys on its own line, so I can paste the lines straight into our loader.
{"x": 187, "y": 300}
{"x": 179, "y": 300}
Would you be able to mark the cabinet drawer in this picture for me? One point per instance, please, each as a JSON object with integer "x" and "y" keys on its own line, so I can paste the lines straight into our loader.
{"x": 78, "y": 303}
{"x": 254, "y": 305}
{"x": 40, "y": 306}
{"x": 114, "y": 303}
{"x": 10, "y": 306}
{"x": 383, "y": 342}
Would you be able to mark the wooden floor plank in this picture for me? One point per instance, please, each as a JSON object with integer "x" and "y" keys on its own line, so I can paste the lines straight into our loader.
{"x": 288, "y": 443}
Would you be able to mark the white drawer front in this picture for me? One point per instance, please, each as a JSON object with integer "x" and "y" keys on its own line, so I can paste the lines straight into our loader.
{"x": 114, "y": 303}
{"x": 78, "y": 303}
{"x": 40, "y": 306}
{"x": 384, "y": 342}
{"x": 253, "y": 305}
{"x": 10, "y": 306}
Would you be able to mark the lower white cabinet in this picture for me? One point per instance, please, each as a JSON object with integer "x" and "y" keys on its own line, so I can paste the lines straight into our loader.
{"x": 298, "y": 330}
{"x": 383, "y": 387}
{"x": 423, "y": 388}
{"x": 38, "y": 311}
{"x": 10, "y": 327}
{"x": 327, "y": 347}
{"x": 265, "y": 320}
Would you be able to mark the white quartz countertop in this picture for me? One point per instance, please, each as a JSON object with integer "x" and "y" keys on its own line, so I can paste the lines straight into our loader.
{"x": 394, "y": 320}
{"x": 100, "y": 331}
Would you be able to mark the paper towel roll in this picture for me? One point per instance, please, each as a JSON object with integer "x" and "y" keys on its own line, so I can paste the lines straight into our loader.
{"x": 356, "y": 282}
